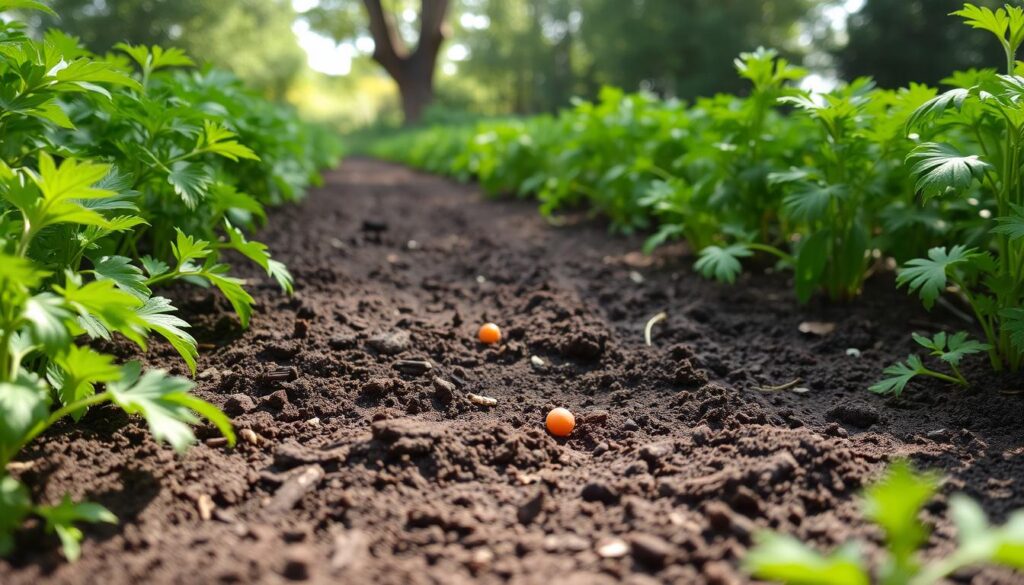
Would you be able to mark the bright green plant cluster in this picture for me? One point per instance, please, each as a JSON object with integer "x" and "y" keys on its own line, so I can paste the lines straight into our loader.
{"x": 894, "y": 504}
{"x": 119, "y": 175}
{"x": 831, "y": 187}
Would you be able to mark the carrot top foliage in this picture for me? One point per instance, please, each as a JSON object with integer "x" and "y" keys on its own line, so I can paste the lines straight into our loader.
{"x": 120, "y": 174}
{"x": 829, "y": 187}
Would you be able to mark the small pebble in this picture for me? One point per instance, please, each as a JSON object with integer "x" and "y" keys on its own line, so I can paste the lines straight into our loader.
{"x": 205, "y": 506}
{"x": 249, "y": 436}
{"x": 612, "y": 548}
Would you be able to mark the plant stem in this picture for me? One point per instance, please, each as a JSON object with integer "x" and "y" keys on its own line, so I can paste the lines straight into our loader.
{"x": 61, "y": 413}
{"x": 773, "y": 251}
{"x": 960, "y": 381}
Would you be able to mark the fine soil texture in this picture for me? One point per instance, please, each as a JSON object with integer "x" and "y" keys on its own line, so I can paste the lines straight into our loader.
{"x": 358, "y": 463}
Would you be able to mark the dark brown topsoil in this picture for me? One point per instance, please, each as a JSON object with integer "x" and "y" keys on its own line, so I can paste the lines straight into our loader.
{"x": 354, "y": 471}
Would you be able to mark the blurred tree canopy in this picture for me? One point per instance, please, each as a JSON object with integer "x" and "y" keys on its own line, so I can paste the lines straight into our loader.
{"x": 539, "y": 53}
{"x": 526, "y": 56}
{"x": 253, "y": 38}
{"x": 899, "y": 41}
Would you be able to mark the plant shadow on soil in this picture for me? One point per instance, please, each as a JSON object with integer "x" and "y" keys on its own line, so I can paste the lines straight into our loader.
{"x": 359, "y": 472}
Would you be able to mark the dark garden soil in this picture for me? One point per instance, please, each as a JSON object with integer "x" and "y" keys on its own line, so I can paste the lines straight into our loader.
{"x": 350, "y": 470}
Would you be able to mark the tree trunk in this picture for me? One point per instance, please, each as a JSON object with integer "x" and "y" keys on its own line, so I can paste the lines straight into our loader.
{"x": 417, "y": 92}
{"x": 413, "y": 72}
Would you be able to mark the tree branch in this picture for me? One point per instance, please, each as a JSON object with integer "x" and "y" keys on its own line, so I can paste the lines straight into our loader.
{"x": 432, "y": 29}
{"x": 388, "y": 49}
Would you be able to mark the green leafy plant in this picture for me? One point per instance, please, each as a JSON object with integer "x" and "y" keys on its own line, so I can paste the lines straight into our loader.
{"x": 989, "y": 276}
{"x": 894, "y": 504}
{"x": 112, "y": 184}
{"x": 948, "y": 349}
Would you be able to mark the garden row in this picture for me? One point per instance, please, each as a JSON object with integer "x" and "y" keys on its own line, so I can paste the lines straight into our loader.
{"x": 833, "y": 187}
{"x": 119, "y": 175}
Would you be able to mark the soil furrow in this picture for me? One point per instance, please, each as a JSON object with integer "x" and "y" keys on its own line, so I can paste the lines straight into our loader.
{"x": 352, "y": 470}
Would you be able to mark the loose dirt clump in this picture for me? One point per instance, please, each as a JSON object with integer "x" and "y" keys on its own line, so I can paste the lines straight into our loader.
{"x": 362, "y": 458}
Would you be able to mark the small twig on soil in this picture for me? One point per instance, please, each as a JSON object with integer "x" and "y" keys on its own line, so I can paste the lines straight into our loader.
{"x": 780, "y": 387}
{"x": 651, "y": 323}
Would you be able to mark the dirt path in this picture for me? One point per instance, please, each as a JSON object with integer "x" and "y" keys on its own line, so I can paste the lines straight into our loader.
{"x": 364, "y": 474}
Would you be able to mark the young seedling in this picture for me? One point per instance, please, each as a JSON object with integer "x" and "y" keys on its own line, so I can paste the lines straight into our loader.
{"x": 894, "y": 504}
{"x": 948, "y": 349}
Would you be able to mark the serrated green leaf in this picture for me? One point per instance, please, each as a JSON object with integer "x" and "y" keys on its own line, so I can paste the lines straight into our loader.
{"x": 1006, "y": 23}
{"x": 71, "y": 180}
{"x": 157, "y": 315}
{"x": 110, "y": 307}
{"x": 186, "y": 248}
{"x": 935, "y": 107}
{"x": 959, "y": 346}
{"x": 89, "y": 71}
{"x": 899, "y": 375}
{"x": 125, "y": 275}
{"x": 220, "y": 141}
{"x": 257, "y": 252}
{"x": 232, "y": 289}
{"x": 810, "y": 202}
{"x": 153, "y": 266}
{"x": 928, "y": 276}
{"x": 82, "y": 368}
{"x": 722, "y": 264}
{"x": 155, "y": 57}
{"x": 164, "y": 401}
{"x": 190, "y": 181}
{"x": 941, "y": 168}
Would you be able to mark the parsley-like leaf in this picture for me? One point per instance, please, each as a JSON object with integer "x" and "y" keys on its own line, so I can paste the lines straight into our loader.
{"x": 928, "y": 276}
{"x": 157, "y": 315}
{"x": 164, "y": 401}
{"x": 722, "y": 264}
{"x": 899, "y": 375}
